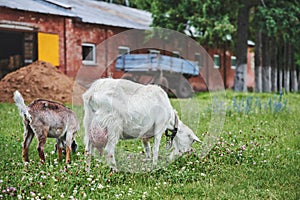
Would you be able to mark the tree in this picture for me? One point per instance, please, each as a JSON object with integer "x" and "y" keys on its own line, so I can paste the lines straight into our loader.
{"x": 279, "y": 24}
{"x": 242, "y": 47}
{"x": 207, "y": 21}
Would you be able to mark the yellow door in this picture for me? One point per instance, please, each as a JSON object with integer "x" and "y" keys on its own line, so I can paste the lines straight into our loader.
{"x": 48, "y": 48}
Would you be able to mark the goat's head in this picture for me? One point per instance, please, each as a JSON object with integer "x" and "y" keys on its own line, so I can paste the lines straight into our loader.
{"x": 183, "y": 140}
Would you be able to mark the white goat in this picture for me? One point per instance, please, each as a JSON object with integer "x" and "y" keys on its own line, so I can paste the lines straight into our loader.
{"x": 121, "y": 109}
{"x": 44, "y": 118}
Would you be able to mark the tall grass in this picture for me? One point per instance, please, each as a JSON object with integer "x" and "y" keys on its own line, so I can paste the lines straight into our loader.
{"x": 257, "y": 156}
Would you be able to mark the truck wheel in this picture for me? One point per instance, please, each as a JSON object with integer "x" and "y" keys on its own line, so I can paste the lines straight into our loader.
{"x": 184, "y": 89}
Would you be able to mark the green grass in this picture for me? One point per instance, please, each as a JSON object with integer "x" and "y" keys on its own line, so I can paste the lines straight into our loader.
{"x": 257, "y": 156}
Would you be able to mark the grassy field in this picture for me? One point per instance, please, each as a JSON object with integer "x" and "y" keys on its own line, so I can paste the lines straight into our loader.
{"x": 257, "y": 156}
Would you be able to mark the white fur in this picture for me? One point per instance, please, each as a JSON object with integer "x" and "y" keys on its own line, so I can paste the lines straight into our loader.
{"x": 121, "y": 109}
{"x": 19, "y": 101}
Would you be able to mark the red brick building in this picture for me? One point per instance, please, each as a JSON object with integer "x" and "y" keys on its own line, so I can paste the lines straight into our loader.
{"x": 65, "y": 33}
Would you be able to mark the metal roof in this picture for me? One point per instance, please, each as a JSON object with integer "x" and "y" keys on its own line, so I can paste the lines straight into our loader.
{"x": 89, "y": 11}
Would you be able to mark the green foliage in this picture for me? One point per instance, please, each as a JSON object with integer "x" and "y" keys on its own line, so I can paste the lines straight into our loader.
{"x": 279, "y": 19}
{"x": 256, "y": 157}
{"x": 210, "y": 22}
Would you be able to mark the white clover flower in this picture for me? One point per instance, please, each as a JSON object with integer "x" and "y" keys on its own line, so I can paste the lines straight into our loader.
{"x": 32, "y": 194}
{"x": 144, "y": 195}
{"x": 243, "y": 147}
{"x": 100, "y": 186}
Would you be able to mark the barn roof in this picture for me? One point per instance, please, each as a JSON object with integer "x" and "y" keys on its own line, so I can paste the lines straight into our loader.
{"x": 88, "y": 11}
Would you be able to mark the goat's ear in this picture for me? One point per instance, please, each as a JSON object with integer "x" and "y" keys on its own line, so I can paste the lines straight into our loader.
{"x": 195, "y": 138}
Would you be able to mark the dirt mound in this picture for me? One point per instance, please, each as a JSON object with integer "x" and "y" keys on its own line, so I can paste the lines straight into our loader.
{"x": 39, "y": 80}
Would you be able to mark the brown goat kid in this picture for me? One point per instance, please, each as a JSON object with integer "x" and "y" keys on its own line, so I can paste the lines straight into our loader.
{"x": 44, "y": 118}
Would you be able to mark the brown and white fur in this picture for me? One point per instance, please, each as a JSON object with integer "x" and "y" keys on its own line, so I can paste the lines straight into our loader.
{"x": 44, "y": 118}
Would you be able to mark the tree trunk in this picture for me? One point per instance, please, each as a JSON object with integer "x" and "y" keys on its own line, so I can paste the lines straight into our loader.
{"x": 258, "y": 62}
{"x": 266, "y": 69}
{"x": 240, "y": 79}
{"x": 280, "y": 65}
{"x": 274, "y": 67}
{"x": 294, "y": 82}
{"x": 299, "y": 81}
{"x": 286, "y": 67}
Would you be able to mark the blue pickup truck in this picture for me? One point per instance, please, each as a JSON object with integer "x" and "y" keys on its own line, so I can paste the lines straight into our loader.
{"x": 171, "y": 73}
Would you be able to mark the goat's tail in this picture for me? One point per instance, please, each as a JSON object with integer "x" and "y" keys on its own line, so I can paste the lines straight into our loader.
{"x": 23, "y": 109}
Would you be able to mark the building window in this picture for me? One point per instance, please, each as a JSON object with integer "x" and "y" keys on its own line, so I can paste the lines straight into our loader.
{"x": 123, "y": 50}
{"x": 198, "y": 60}
{"x": 216, "y": 61}
{"x": 233, "y": 62}
{"x": 88, "y": 54}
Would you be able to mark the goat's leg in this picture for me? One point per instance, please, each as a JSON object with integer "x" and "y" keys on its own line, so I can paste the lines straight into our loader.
{"x": 42, "y": 137}
{"x": 113, "y": 133}
{"x": 147, "y": 148}
{"x": 157, "y": 139}
{"x": 68, "y": 150}
{"x": 158, "y": 131}
{"x": 59, "y": 148}
{"x": 88, "y": 152}
{"x": 28, "y": 135}
{"x": 70, "y": 137}
{"x": 159, "y": 128}
{"x": 110, "y": 154}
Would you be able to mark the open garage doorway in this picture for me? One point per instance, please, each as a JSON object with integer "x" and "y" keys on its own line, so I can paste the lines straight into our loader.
{"x": 16, "y": 50}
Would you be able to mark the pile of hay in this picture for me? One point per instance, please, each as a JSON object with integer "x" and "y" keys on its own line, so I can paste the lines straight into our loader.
{"x": 39, "y": 80}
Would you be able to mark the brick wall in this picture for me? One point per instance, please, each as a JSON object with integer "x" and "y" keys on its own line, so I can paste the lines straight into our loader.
{"x": 71, "y": 35}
